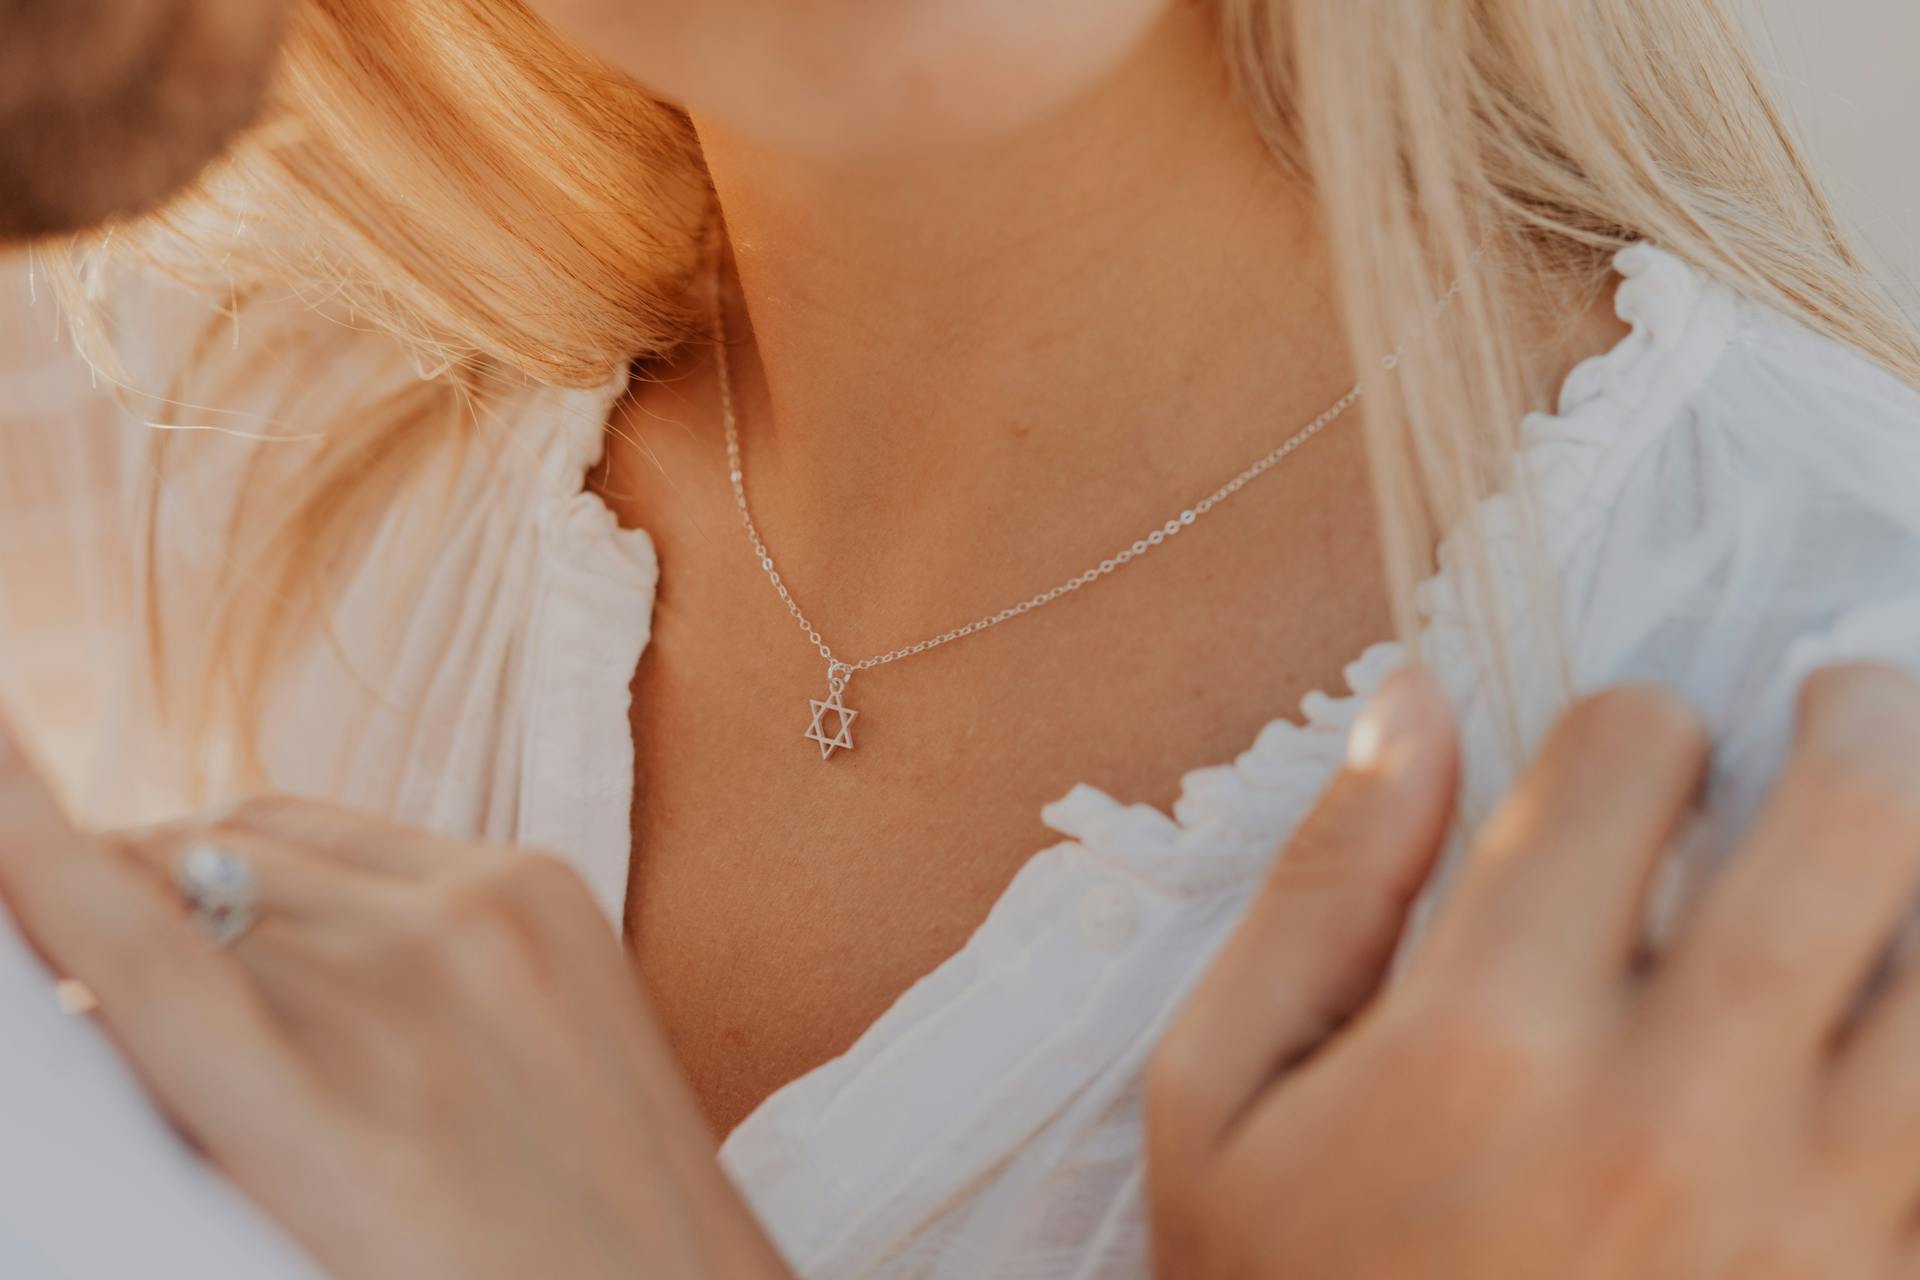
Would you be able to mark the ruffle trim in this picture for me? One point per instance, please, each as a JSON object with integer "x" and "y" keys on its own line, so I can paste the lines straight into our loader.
{"x": 1229, "y": 819}
{"x": 580, "y": 534}
{"x": 1225, "y": 825}
{"x": 591, "y": 619}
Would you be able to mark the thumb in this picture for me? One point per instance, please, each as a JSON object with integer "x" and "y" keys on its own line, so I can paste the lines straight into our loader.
{"x": 1320, "y": 933}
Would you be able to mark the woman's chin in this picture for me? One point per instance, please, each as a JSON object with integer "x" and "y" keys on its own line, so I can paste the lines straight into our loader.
{"x": 861, "y": 80}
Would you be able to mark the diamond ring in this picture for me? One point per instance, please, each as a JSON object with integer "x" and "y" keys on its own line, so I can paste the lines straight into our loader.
{"x": 220, "y": 891}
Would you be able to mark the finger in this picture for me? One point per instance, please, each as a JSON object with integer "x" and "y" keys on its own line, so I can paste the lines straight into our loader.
{"x": 1553, "y": 894}
{"x": 349, "y": 836}
{"x": 185, "y": 1018}
{"x": 1782, "y": 944}
{"x": 289, "y": 882}
{"x": 326, "y": 951}
{"x": 1871, "y": 1106}
{"x": 1318, "y": 937}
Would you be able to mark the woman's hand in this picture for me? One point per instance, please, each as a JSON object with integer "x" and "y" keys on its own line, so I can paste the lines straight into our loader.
{"x": 425, "y": 1060}
{"x": 1535, "y": 1097}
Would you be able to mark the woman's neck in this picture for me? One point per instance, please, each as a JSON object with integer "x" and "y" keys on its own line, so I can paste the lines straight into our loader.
{"x": 1122, "y": 305}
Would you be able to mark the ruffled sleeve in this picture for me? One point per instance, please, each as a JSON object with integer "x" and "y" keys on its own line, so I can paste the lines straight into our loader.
{"x": 1722, "y": 503}
{"x": 1776, "y": 532}
{"x": 1729, "y": 501}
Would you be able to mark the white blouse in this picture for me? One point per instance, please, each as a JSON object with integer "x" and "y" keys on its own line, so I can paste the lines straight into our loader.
{"x": 1728, "y": 500}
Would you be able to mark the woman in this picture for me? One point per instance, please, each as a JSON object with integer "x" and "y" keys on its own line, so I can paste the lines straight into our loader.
{"x": 490, "y": 1098}
{"x": 1033, "y": 268}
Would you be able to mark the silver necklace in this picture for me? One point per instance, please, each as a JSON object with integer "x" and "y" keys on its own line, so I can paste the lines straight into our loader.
{"x": 831, "y": 726}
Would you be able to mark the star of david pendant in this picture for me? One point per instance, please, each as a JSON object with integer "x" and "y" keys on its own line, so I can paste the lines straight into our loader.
{"x": 837, "y": 735}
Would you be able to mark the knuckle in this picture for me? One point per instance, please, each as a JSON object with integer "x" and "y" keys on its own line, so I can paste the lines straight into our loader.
{"x": 1477, "y": 1045}
{"x": 1347, "y": 895}
{"x": 1631, "y": 719}
{"x": 1750, "y": 975}
{"x": 478, "y": 930}
{"x": 1860, "y": 791}
{"x": 1862, "y": 717}
{"x": 1330, "y": 842}
{"x": 1845, "y": 690}
{"x": 1320, "y": 839}
{"x": 264, "y": 811}
{"x": 533, "y": 877}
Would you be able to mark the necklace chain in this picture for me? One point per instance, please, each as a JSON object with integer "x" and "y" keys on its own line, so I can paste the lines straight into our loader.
{"x": 839, "y": 671}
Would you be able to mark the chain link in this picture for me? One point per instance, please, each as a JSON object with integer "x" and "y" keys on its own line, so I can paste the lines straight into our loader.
{"x": 839, "y": 672}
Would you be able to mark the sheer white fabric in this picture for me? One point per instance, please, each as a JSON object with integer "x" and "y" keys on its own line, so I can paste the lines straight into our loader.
{"x": 1727, "y": 501}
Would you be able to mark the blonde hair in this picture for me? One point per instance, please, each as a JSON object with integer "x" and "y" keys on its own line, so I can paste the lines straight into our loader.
{"x": 449, "y": 173}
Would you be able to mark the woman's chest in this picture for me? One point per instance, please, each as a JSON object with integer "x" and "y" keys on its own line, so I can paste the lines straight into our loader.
{"x": 779, "y": 903}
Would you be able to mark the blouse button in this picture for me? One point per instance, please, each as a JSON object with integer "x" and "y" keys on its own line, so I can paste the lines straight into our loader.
{"x": 1108, "y": 916}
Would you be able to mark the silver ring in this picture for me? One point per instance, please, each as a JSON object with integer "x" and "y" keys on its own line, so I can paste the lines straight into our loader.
{"x": 220, "y": 890}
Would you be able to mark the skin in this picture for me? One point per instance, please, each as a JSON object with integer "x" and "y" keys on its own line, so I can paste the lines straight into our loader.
{"x": 927, "y": 206}
{"x": 447, "y": 1037}
{"x": 109, "y": 107}
{"x": 1534, "y": 1096}
{"x": 936, "y": 337}
{"x": 1576, "y": 1112}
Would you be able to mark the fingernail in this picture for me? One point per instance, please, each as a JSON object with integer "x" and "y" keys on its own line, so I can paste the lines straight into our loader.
{"x": 1382, "y": 738}
{"x": 74, "y": 998}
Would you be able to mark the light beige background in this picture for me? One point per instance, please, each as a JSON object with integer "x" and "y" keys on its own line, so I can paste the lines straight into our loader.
{"x": 1851, "y": 73}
